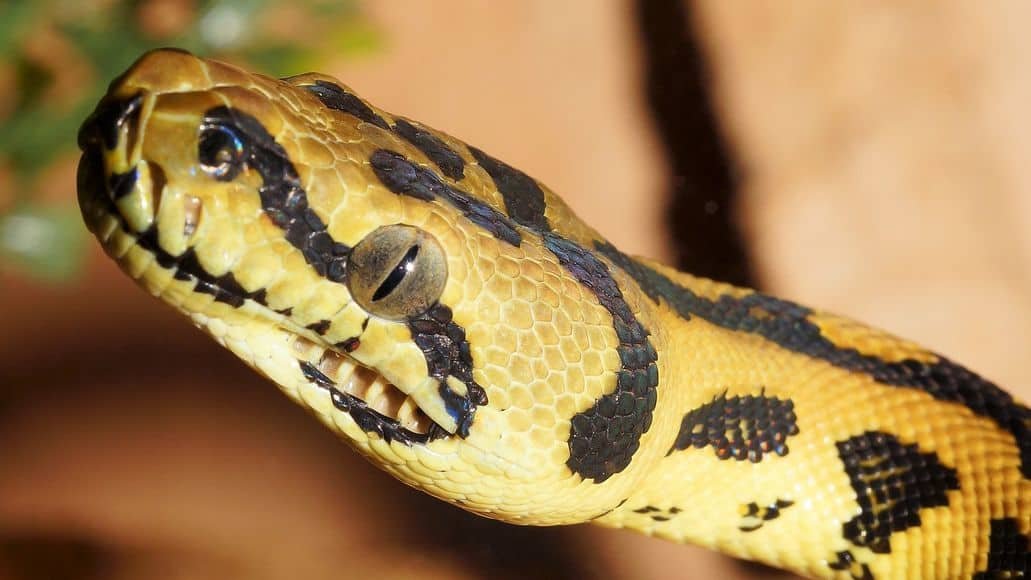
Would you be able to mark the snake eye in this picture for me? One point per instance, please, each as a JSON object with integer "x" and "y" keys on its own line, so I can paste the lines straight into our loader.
{"x": 397, "y": 272}
{"x": 220, "y": 152}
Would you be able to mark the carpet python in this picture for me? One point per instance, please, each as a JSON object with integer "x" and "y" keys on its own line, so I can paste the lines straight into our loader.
{"x": 456, "y": 323}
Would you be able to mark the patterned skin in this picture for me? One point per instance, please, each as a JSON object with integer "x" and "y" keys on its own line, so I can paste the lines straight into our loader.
{"x": 459, "y": 326}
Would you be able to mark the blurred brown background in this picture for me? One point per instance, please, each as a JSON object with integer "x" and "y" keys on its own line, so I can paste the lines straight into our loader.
{"x": 867, "y": 158}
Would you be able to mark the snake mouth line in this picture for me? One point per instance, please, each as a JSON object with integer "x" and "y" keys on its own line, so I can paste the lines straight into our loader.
{"x": 376, "y": 405}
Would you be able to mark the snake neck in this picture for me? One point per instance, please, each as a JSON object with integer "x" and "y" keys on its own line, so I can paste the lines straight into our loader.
{"x": 806, "y": 441}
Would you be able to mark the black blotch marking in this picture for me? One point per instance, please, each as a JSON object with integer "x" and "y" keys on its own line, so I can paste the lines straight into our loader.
{"x": 403, "y": 177}
{"x": 370, "y": 420}
{"x": 120, "y": 184}
{"x": 260, "y": 296}
{"x": 107, "y": 121}
{"x": 282, "y": 198}
{"x": 786, "y": 324}
{"x": 524, "y": 199}
{"x": 289, "y": 311}
{"x": 349, "y": 345}
{"x": 658, "y": 514}
{"x": 893, "y": 482}
{"x": 845, "y": 561}
{"x": 319, "y": 327}
{"x": 335, "y": 97}
{"x": 450, "y": 163}
{"x": 443, "y": 343}
{"x": 754, "y": 515}
{"x": 1008, "y": 554}
{"x": 740, "y": 427}
{"x": 224, "y": 288}
{"x": 604, "y": 438}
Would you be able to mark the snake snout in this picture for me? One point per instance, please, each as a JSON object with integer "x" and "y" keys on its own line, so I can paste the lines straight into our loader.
{"x": 110, "y": 118}
{"x": 113, "y": 179}
{"x": 107, "y": 139}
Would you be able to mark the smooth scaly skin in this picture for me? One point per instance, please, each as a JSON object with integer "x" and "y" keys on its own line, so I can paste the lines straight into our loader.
{"x": 553, "y": 321}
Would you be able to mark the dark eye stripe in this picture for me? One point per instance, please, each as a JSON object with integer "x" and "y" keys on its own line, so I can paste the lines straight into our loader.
{"x": 394, "y": 278}
{"x": 403, "y": 177}
{"x": 524, "y": 199}
{"x": 336, "y": 98}
{"x": 283, "y": 198}
{"x": 450, "y": 163}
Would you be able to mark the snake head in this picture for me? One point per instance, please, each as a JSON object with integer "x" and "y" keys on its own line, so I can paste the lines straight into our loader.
{"x": 382, "y": 274}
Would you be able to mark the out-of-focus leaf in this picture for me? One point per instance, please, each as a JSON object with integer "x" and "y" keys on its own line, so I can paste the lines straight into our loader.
{"x": 32, "y": 82}
{"x": 46, "y": 242}
{"x": 355, "y": 38}
{"x": 281, "y": 60}
{"x": 111, "y": 39}
{"x": 34, "y": 138}
{"x": 110, "y": 45}
{"x": 227, "y": 24}
{"x": 16, "y": 20}
{"x": 335, "y": 9}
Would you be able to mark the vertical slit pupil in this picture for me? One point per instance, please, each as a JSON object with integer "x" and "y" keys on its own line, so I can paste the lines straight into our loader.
{"x": 397, "y": 274}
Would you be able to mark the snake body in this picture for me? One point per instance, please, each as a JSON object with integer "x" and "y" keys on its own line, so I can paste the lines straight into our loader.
{"x": 456, "y": 323}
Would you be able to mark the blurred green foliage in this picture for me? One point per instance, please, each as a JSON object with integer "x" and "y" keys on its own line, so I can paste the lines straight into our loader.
{"x": 47, "y": 240}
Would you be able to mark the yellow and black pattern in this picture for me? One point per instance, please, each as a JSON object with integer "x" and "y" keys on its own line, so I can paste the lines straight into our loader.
{"x": 740, "y": 427}
{"x": 454, "y": 321}
{"x": 753, "y": 516}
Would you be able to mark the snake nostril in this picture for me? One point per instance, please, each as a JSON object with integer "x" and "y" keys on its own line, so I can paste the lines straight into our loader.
{"x": 192, "y": 207}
